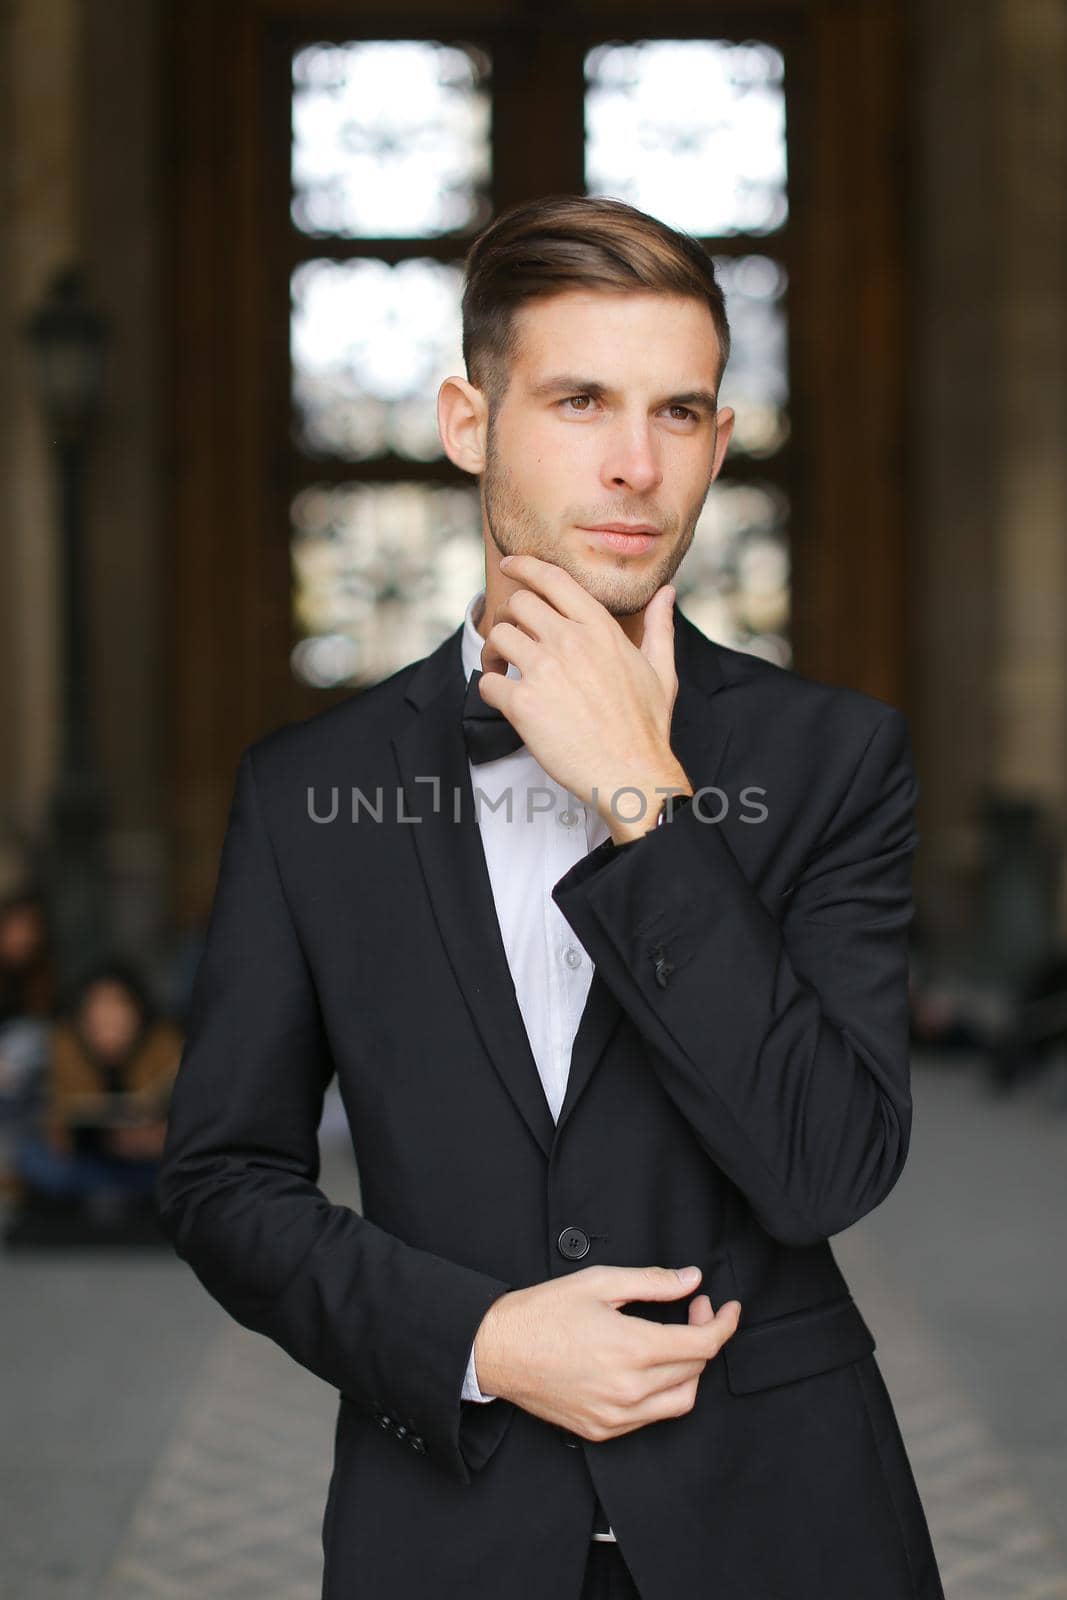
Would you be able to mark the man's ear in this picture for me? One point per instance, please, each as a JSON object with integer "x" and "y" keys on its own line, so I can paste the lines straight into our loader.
{"x": 463, "y": 424}
{"x": 724, "y": 424}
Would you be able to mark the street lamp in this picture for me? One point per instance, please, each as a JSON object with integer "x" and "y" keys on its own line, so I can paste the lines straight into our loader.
{"x": 68, "y": 339}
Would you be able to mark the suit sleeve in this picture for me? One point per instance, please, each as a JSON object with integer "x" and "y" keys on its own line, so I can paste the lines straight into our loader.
{"x": 388, "y": 1325}
{"x": 783, "y": 1042}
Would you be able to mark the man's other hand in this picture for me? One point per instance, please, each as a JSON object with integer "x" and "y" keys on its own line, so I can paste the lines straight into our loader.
{"x": 563, "y": 1350}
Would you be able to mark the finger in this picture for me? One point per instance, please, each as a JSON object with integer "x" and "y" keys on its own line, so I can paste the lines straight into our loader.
{"x": 700, "y": 1314}
{"x": 497, "y": 689}
{"x": 657, "y": 638}
{"x": 617, "y": 1286}
{"x": 556, "y": 586}
{"x": 505, "y": 644}
{"x": 530, "y": 612}
{"x": 693, "y": 1341}
{"x": 678, "y": 1342}
{"x": 668, "y": 1374}
{"x": 674, "y": 1401}
{"x": 700, "y": 1311}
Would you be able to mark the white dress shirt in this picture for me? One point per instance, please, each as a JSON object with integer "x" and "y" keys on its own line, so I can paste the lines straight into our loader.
{"x": 548, "y": 831}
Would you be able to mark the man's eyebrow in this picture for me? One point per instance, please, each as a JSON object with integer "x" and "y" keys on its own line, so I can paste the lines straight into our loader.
{"x": 565, "y": 383}
{"x": 568, "y": 383}
{"x": 694, "y": 397}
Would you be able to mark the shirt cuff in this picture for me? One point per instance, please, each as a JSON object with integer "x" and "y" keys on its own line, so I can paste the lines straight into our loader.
{"x": 470, "y": 1390}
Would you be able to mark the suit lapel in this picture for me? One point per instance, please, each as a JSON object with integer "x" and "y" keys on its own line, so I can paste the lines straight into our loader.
{"x": 432, "y": 764}
{"x": 432, "y": 761}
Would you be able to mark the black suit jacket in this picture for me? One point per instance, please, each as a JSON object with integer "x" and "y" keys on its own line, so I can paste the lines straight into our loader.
{"x": 738, "y": 1093}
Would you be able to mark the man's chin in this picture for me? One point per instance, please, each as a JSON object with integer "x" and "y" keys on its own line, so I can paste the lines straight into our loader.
{"x": 619, "y": 594}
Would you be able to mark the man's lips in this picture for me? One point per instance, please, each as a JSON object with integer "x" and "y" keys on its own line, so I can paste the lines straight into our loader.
{"x": 631, "y": 537}
{"x": 621, "y": 527}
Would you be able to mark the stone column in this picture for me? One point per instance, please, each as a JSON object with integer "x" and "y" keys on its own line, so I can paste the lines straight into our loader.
{"x": 82, "y": 94}
{"x": 39, "y": 195}
{"x": 1030, "y": 403}
{"x": 124, "y": 198}
{"x": 988, "y": 463}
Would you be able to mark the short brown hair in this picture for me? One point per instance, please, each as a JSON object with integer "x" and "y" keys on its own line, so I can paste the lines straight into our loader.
{"x": 564, "y": 241}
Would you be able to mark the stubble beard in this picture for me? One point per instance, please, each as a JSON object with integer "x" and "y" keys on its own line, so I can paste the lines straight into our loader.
{"x": 516, "y": 529}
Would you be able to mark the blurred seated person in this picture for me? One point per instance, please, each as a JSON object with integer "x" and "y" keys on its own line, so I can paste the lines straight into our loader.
{"x": 113, "y": 1062}
{"x": 27, "y": 972}
{"x": 24, "y": 1053}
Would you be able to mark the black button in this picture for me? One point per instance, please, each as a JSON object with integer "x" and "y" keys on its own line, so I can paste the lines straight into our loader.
{"x": 574, "y": 1244}
{"x": 384, "y": 1420}
{"x": 418, "y": 1444}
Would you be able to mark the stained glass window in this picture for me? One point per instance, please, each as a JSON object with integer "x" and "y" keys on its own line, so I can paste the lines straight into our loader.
{"x": 390, "y": 139}
{"x": 382, "y": 574}
{"x": 691, "y": 130}
{"x": 370, "y": 345}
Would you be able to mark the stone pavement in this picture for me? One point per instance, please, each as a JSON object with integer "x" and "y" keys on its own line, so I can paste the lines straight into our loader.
{"x": 160, "y": 1450}
{"x": 234, "y": 1506}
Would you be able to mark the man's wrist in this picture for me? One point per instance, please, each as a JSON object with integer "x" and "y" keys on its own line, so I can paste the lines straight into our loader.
{"x": 637, "y": 809}
{"x": 484, "y": 1352}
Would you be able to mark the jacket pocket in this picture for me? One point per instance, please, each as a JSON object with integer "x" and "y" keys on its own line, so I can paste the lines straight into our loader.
{"x": 797, "y": 1345}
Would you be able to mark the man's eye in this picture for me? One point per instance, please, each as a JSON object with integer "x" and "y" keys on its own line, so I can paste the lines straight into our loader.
{"x": 583, "y": 403}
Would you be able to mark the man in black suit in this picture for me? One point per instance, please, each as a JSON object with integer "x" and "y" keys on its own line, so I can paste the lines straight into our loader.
{"x": 532, "y": 1401}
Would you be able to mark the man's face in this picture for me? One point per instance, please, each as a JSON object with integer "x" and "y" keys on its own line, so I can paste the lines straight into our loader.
{"x": 609, "y": 417}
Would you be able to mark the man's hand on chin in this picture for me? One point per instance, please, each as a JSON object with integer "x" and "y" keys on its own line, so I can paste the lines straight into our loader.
{"x": 592, "y": 708}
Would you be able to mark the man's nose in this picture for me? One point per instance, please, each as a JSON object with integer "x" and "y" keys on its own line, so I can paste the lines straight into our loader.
{"x": 633, "y": 460}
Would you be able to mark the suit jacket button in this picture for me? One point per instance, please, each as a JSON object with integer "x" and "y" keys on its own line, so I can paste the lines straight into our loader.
{"x": 418, "y": 1444}
{"x": 400, "y": 1431}
{"x": 573, "y": 1244}
{"x": 384, "y": 1420}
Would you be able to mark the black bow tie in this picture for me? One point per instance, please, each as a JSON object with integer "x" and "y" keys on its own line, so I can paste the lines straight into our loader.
{"x": 487, "y": 731}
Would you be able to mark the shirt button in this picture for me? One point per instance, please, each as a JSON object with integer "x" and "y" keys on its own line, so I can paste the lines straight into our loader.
{"x": 573, "y": 1244}
{"x": 569, "y": 819}
{"x": 572, "y": 957}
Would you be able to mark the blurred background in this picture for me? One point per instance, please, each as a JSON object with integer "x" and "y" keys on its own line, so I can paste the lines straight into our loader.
{"x": 230, "y": 266}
